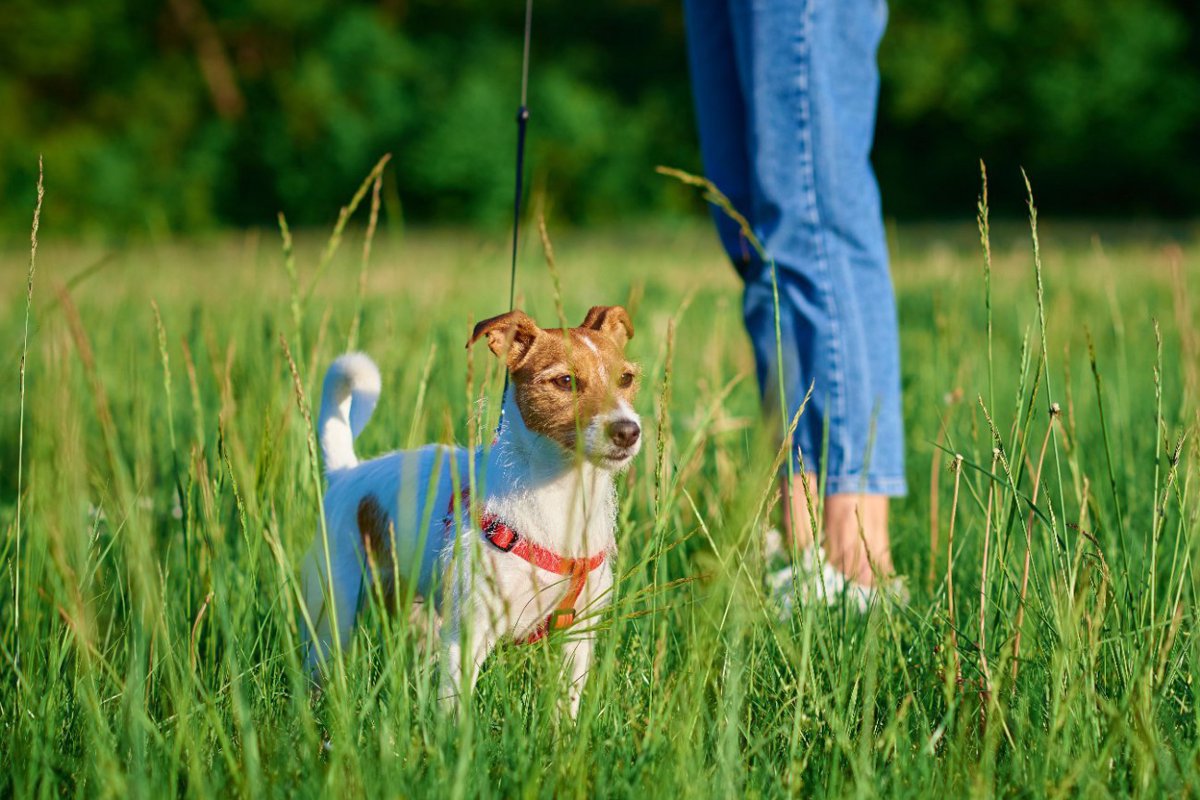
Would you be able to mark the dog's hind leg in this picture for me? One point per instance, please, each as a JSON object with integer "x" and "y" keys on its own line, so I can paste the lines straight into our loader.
{"x": 331, "y": 593}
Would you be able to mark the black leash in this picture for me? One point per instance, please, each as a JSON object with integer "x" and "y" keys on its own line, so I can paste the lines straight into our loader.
{"x": 522, "y": 124}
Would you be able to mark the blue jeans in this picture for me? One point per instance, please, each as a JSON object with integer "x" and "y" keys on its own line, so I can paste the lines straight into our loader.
{"x": 785, "y": 94}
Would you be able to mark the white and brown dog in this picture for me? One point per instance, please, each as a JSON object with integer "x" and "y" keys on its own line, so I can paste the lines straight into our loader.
{"x": 541, "y": 549}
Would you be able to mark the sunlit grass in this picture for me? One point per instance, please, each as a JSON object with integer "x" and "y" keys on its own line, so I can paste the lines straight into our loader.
{"x": 167, "y": 498}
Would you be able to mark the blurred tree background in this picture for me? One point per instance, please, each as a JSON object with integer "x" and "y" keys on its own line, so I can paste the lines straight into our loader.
{"x": 160, "y": 116}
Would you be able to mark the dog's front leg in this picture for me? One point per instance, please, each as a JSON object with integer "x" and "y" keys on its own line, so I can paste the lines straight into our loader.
{"x": 577, "y": 660}
{"x": 460, "y": 667}
{"x": 465, "y": 646}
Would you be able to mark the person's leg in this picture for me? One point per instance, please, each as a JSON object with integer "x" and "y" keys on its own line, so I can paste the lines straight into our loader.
{"x": 720, "y": 115}
{"x": 857, "y": 516}
{"x": 718, "y": 64}
{"x": 810, "y": 84}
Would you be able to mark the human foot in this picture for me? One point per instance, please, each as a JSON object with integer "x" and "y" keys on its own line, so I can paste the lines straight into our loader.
{"x": 812, "y": 578}
{"x": 806, "y": 579}
{"x": 856, "y": 537}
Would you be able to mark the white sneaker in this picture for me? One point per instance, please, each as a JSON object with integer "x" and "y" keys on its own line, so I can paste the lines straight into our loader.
{"x": 805, "y": 580}
{"x": 816, "y": 580}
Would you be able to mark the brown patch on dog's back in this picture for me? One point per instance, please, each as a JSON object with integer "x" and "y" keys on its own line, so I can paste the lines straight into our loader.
{"x": 375, "y": 530}
{"x": 373, "y": 524}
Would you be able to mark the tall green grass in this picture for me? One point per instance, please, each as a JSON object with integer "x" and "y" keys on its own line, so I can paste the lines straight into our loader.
{"x": 149, "y": 587}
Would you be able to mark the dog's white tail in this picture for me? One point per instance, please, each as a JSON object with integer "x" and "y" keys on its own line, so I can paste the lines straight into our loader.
{"x": 351, "y": 390}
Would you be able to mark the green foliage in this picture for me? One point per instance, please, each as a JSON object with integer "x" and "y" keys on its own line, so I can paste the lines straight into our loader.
{"x": 119, "y": 97}
{"x": 191, "y": 114}
{"x": 1099, "y": 100}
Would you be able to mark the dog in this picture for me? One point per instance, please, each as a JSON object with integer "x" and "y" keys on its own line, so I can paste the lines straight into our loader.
{"x": 542, "y": 547}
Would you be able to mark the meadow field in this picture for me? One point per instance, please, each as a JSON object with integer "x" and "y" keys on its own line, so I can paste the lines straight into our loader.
{"x": 157, "y": 493}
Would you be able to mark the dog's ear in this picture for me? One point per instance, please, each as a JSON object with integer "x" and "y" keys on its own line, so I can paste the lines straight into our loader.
{"x": 509, "y": 336}
{"x": 611, "y": 320}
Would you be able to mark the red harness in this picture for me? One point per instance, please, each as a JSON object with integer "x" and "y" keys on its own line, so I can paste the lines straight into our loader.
{"x": 505, "y": 539}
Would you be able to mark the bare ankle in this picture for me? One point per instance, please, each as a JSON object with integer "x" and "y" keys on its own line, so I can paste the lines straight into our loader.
{"x": 800, "y": 510}
{"x": 856, "y": 537}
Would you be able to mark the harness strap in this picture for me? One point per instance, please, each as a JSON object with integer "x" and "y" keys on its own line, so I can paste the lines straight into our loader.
{"x": 501, "y": 536}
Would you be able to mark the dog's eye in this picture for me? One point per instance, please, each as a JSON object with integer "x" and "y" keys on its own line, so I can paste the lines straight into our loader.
{"x": 564, "y": 382}
{"x": 626, "y": 380}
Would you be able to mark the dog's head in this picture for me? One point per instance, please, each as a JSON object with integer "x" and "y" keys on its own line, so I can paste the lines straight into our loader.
{"x": 573, "y": 386}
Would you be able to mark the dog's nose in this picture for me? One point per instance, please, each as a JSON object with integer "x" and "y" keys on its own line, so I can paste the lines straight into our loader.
{"x": 624, "y": 433}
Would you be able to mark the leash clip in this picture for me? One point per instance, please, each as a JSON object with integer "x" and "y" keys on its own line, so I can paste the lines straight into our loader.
{"x": 500, "y": 536}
